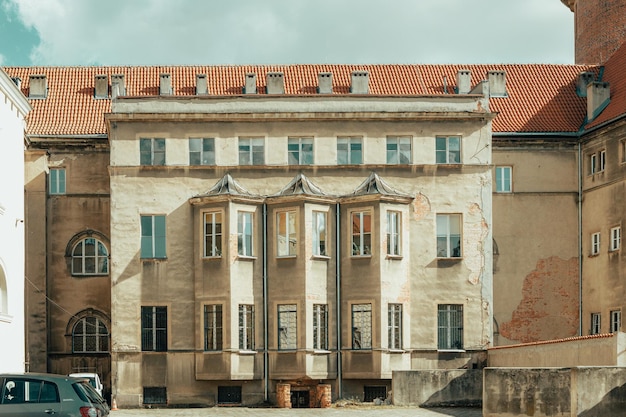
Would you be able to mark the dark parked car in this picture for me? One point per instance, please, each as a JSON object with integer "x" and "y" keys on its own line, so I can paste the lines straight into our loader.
{"x": 33, "y": 394}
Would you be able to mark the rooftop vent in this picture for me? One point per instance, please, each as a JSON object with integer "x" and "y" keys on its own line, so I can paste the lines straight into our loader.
{"x": 275, "y": 82}
{"x": 497, "y": 83}
{"x": 598, "y": 97}
{"x": 325, "y": 83}
{"x": 463, "y": 81}
{"x": 202, "y": 87}
{"x": 17, "y": 81}
{"x": 38, "y": 86}
{"x": 102, "y": 86}
{"x": 360, "y": 82}
{"x": 165, "y": 85}
{"x": 584, "y": 78}
{"x": 250, "y": 85}
{"x": 118, "y": 85}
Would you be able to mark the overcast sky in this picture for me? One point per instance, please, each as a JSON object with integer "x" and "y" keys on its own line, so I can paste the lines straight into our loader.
{"x": 188, "y": 32}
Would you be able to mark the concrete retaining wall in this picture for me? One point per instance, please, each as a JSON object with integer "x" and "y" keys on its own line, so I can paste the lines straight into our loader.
{"x": 437, "y": 388}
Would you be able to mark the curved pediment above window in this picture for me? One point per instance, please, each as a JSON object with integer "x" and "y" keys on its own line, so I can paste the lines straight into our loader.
{"x": 375, "y": 187}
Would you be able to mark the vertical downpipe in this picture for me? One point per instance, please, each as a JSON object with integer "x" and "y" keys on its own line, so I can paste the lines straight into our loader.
{"x": 580, "y": 241}
{"x": 338, "y": 292}
{"x": 266, "y": 374}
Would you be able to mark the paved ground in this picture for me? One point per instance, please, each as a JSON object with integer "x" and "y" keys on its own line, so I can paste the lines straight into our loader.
{"x": 352, "y": 411}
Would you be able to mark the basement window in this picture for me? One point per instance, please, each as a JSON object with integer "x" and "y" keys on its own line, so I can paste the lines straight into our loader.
{"x": 154, "y": 395}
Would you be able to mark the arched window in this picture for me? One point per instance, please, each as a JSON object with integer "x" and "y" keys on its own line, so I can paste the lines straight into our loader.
{"x": 90, "y": 335}
{"x": 90, "y": 257}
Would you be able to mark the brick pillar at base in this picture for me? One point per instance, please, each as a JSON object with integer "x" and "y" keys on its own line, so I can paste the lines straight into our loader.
{"x": 324, "y": 395}
{"x": 283, "y": 395}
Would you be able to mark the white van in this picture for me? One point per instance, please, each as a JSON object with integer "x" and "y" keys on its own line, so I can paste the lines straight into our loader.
{"x": 93, "y": 378}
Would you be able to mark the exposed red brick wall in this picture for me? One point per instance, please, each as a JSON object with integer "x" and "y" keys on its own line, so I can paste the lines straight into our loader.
{"x": 283, "y": 395}
{"x": 549, "y": 306}
{"x": 600, "y": 29}
{"x": 324, "y": 395}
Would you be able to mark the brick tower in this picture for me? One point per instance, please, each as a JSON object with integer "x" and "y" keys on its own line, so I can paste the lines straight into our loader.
{"x": 600, "y": 28}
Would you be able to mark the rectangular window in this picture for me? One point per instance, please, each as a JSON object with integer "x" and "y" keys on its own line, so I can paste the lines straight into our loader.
{"x": 622, "y": 148}
{"x": 349, "y": 151}
{"x": 319, "y": 233}
{"x": 361, "y": 233}
{"x": 593, "y": 164}
{"x": 361, "y": 326}
{"x": 450, "y": 326}
{"x": 300, "y": 151}
{"x": 602, "y": 161}
{"x": 595, "y": 243}
{"x": 287, "y": 327}
{"x": 286, "y": 237}
{"x": 212, "y": 234}
{"x": 398, "y": 149}
{"x": 448, "y": 235}
{"x": 56, "y": 181}
{"x": 213, "y": 327}
{"x": 246, "y": 327}
{"x": 154, "y": 329}
{"x": 152, "y": 151}
{"x": 616, "y": 321}
{"x": 153, "y": 237}
{"x": 616, "y": 238}
{"x": 595, "y": 323}
{"x": 448, "y": 149}
{"x": 393, "y": 233}
{"x": 251, "y": 151}
{"x": 202, "y": 151}
{"x": 320, "y": 326}
{"x": 394, "y": 326}
{"x": 503, "y": 179}
{"x": 244, "y": 233}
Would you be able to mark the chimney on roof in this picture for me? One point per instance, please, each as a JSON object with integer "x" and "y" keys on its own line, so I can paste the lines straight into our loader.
{"x": 275, "y": 83}
{"x": 38, "y": 86}
{"x": 17, "y": 81}
{"x": 360, "y": 82}
{"x": 102, "y": 86}
{"x": 250, "y": 85}
{"x": 598, "y": 97}
{"x": 165, "y": 85}
{"x": 202, "y": 87}
{"x": 325, "y": 83}
{"x": 118, "y": 85}
{"x": 584, "y": 78}
{"x": 463, "y": 81}
{"x": 497, "y": 83}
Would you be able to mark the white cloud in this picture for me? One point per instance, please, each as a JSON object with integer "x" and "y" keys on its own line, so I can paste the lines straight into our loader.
{"x": 151, "y": 32}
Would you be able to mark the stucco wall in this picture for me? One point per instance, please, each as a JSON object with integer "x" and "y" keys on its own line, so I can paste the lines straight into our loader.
{"x": 438, "y": 388}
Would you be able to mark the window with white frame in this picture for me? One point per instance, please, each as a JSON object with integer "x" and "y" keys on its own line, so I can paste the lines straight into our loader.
{"x": 394, "y": 225}
{"x": 154, "y": 328}
{"x": 602, "y": 161}
{"x": 361, "y": 233}
{"x": 152, "y": 151}
{"x": 300, "y": 151}
{"x": 394, "y": 326}
{"x": 56, "y": 181}
{"x": 361, "y": 326}
{"x": 212, "y": 234}
{"x": 398, "y": 149}
{"x": 595, "y": 323}
{"x": 153, "y": 237}
{"x": 213, "y": 327}
{"x": 246, "y": 326}
{"x": 450, "y": 326}
{"x": 622, "y": 149}
{"x": 201, "y": 151}
{"x": 286, "y": 236}
{"x": 90, "y": 257}
{"x": 320, "y": 326}
{"x": 251, "y": 151}
{"x": 244, "y": 233}
{"x": 449, "y": 236}
{"x": 349, "y": 151}
{"x": 616, "y": 321}
{"x": 503, "y": 179}
{"x": 90, "y": 334}
{"x": 448, "y": 149}
{"x": 319, "y": 233}
{"x": 616, "y": 238}
{"x": 595, "y": 243}
{"x": 593, "y": 164}
{"x": 287, "y": 327}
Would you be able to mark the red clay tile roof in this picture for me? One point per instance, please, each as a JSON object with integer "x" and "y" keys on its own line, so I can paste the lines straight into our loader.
{"x": 614, "y": 74}
{"x": 550, "y": 342}
{"x": 541, "y": 98}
